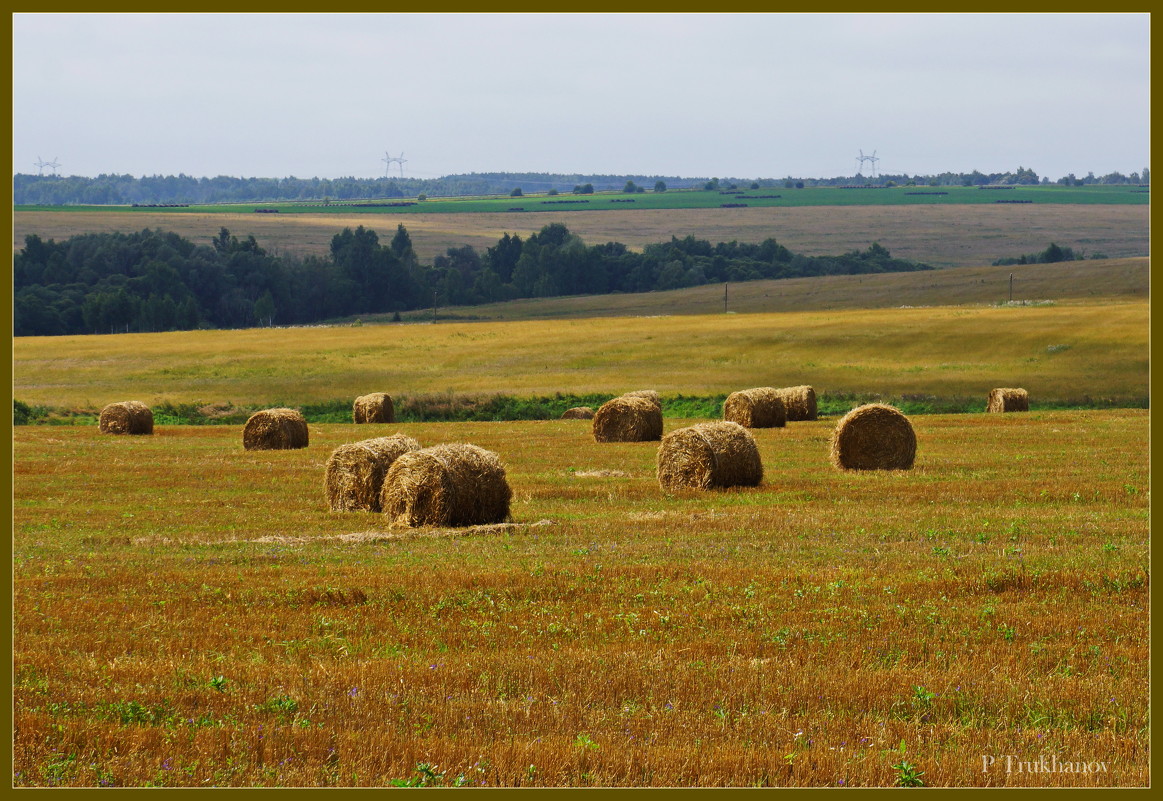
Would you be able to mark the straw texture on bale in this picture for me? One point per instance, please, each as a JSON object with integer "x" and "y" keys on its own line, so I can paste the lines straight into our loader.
{"x": 578, "y": 413}
{"x": 649, "y": 394}
{"x": 762, "y": 407}
{"x": 874, "y": 437}
{"x": 446, "y": 485}
{"x": 374, "y": 408}
{"x": 800, "y": 402}
{"x": 274, "y": 430}
{"x": 354, "y": 478}
{"x": 1008, "y": 399}
{"x": 126, "y": 417}
{"x": 626, "y": 419}
{"x": 709, "y": 455}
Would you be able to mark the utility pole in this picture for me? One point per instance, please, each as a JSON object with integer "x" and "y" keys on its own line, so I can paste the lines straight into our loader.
{"x": 433, "y": 305}
{"x": 1011, "y": 287}
{"x": 388, "y": 160}
{"x": 724, "y": 297}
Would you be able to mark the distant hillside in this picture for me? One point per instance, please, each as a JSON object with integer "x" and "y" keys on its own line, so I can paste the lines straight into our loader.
{"x": 154, "y": 190}
{"x": 1064, "y": 282}
{"x": 160, "y": 281}
{"x": 125, "y": 190}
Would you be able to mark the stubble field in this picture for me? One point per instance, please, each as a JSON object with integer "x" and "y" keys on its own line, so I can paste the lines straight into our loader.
{"x": 187, "y": 613}
{"x": 190, "y": 614}
{"x": 944, "y": 236}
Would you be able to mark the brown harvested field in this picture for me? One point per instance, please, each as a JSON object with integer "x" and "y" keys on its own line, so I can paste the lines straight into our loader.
{"x": 944, "y": 236}
{"x": 190, "y": 614}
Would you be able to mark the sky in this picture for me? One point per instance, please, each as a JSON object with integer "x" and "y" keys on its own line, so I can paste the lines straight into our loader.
{"x": 667, "y": 94}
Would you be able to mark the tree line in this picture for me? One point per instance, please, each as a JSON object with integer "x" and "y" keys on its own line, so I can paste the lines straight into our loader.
{"x": 155, "y": 280}
{"x": 112, "y": 189}
{"x": 126, "y": 190}
{"x": 1053, "y": 254}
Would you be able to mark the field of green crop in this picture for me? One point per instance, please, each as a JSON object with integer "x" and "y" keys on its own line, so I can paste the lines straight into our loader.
{"x": 681, "y": 199}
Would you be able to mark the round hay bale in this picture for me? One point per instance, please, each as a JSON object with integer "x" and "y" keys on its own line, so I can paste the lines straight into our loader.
{"x": 626, "y": 419}
{"x": 708, "y": 455}
{"x": 446, "y": 485}
{"x": 374, "y": 408}
{"x": 578, "y": 413}
{"x": 762, "y": 407}
{"x": 649, "y": 394}
{"x": 275, "y": 429}
{"x": 874, "y": 437}
{"x": 1008, "y": 399}
{"x": 355, "y": 472}
{"x": 800, "y": 402}
{"x": 126, "y": 417}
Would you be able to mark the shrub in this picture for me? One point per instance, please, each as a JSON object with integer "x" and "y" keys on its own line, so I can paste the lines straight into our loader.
{"x": 21, "y": 413}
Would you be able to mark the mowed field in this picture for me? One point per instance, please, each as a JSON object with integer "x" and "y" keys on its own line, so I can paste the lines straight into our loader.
{"x": 943, "y": 236}
{"x": 1087, "y": 281}
{"x": 188, "y": 613}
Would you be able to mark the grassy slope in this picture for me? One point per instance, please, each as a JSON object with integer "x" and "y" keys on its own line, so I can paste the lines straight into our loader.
{"x": 1087, "y": 281}
{"x": 1089, "y": 346}
{"x": 1061, "y": 352}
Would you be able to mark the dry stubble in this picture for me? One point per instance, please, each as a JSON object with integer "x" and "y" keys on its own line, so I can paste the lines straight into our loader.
{"x": 637, "y": 640}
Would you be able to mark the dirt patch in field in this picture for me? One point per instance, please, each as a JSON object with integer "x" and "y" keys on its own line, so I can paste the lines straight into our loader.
{"x": 405, "y": 534}
{"x": 221, "y": 409}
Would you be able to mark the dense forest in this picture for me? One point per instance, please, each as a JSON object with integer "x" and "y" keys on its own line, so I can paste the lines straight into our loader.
{"x": 154, "y": 280}
{"x": 53, "y": 190}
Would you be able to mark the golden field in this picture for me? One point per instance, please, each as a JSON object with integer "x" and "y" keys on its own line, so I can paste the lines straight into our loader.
{"x": 190, "y": 614}
{"x": 1056, "y": 352}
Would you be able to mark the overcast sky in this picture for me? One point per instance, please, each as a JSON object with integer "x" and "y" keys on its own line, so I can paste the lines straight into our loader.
{"x": 692, "y": 95}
